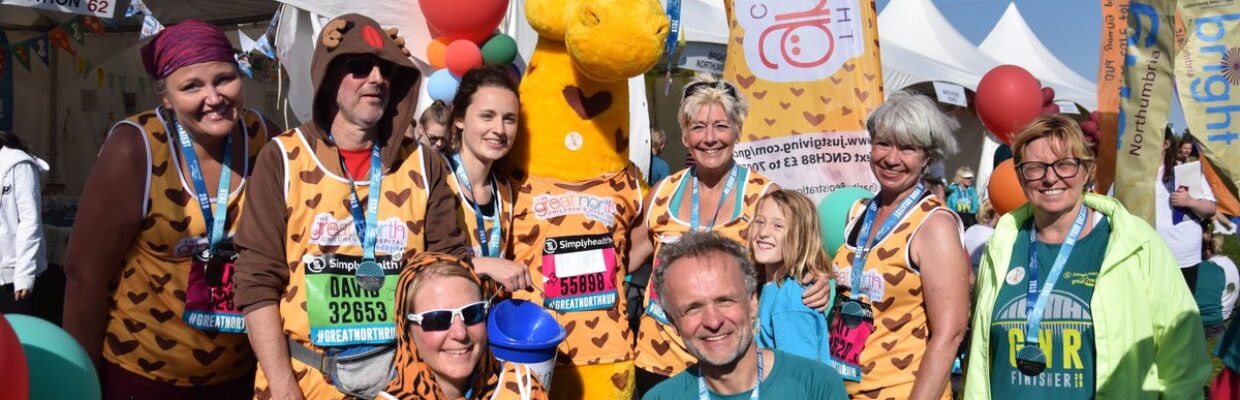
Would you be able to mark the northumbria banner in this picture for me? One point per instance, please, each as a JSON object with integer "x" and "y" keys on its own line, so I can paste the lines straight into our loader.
{"x": 810, "y": 70}
{"x": 1207, "y": 70}
{"x": 1144, "y": 103}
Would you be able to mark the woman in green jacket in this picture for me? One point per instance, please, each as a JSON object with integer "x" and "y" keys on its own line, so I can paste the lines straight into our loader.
{"x": 1112, "y": 321}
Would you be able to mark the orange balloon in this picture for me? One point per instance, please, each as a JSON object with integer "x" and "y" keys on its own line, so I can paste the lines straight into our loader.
{"x": 436, "y": 52}
{"x": 1004, "y": 189}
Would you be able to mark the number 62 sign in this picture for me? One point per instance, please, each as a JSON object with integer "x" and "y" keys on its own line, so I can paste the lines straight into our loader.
{"x": 98, "y": 8}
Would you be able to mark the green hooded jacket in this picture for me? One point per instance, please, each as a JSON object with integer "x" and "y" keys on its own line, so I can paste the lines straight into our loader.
{"x": 1147, "y": 330}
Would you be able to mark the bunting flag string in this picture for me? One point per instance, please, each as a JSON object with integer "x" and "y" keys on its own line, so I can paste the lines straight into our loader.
{"x": 38, "y": 46}
{"x": 60, "y": 38}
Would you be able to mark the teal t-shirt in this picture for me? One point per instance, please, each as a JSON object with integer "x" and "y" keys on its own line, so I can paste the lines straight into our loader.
{"x": 792, "y": 377}
{"x": 1067, "y": 332}
{"x": 1211, "y": 280}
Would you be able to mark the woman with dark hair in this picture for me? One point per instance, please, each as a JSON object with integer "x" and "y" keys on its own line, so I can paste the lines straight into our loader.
{"x": 156, "y": 219}
{"x": 22, "y": 256}
{"x": 484, "y": 118}
{"x": 1178, "y": 216}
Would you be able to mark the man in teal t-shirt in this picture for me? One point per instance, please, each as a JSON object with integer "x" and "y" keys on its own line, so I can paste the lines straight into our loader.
{"x": 792, "y": 377}
{"x": 1066, "y": 336}
{"x": 708, "y": 288}
{"x": 1211, "y": 280}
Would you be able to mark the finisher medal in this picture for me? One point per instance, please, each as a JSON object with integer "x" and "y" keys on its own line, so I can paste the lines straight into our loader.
{"x": 369, "y": 275}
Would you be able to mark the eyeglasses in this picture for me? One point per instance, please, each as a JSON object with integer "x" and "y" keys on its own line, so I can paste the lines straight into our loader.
{"x": 360, "y": 67}
{"x": 441, "y": 320}
{"x": 693, "y": 88}
{"x": 905, "y": 150}
{"x": 1035, "y": 170}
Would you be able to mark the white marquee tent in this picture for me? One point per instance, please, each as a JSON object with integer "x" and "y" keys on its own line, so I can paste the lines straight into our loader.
{"x": 1012, "y": 42}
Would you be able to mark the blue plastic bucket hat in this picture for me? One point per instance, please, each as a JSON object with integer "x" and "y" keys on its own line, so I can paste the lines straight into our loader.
{"x": 523, "y": 332}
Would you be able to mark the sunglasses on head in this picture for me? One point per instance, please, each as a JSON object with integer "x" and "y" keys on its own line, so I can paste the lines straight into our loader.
{"x": 693, "y": 88}
{"x": 360, "y": 67}
{"x": 441, "y": 320}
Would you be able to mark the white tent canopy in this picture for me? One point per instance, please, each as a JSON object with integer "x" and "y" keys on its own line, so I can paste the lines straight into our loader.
{"x": 918, "y": 44}
{"x": 1012, "y": 42}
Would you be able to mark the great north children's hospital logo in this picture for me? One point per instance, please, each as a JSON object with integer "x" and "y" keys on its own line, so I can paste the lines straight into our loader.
{"x": 600, "y": 209}
{"x": 799, "y": 40}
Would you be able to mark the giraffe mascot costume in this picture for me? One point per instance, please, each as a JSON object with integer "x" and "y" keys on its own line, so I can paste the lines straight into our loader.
{"x": 577, "y": 193}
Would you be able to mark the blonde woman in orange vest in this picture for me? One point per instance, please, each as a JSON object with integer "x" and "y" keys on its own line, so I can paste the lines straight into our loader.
{"x": 903, "y": 274}
{"x": 156, "y": 217}
{"x": 716, "y": 194}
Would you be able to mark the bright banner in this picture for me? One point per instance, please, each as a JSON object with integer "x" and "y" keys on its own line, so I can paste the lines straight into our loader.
{"x": 810, "y": 71}
{"x": 1144, "y": 103}
{"x": 98, "y": 8}
{"x": 1110, "y": 65}
{"x": 1207, "y": 68}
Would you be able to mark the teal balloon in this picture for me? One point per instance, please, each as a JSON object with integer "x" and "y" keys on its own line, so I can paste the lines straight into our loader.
{"x": 59, "y": 368}
{"x": 833, "y": 215}
{"x": 500, "y": 50}
{"x": 1003, "y": 153}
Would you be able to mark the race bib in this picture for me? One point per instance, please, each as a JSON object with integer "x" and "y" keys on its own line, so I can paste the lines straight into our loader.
{"x": 579, "y": 273}
{"x": 209, "y": 302}
{"x": 847, "y": 341}
{"x": 341, "y": 312}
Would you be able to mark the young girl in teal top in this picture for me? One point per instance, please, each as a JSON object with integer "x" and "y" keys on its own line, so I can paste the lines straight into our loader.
{"x": 785, "y": 242}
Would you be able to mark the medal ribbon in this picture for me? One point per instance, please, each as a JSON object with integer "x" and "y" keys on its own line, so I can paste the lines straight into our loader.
{"x": 370, "y": 223}
{"x": 703, "y": 394}
{"x": 867, "y": 223}
{"x": 694, "y": 217}
{"x": 214, "y": 221}
{"x": 488, "y": 239}
{"x": 1036, "y": 298}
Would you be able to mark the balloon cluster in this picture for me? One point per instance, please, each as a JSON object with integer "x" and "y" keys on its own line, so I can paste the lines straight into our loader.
{"x": 465, "y": 38}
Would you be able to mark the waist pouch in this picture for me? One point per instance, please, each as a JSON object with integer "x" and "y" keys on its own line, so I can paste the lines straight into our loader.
{"x": 358, "y": 371}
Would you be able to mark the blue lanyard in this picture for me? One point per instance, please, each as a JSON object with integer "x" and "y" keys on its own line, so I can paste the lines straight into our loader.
{"x": 867, "y": 222}
{"x": 488, "y": 239}
{"x": 673, "y": 32}
{"x": 703, "y": 394}
{"x": 694, "y": 217}
{"x": 1035, "y": 299}
{"x": 214, "y": 221}
{"x": 370, "y": 223}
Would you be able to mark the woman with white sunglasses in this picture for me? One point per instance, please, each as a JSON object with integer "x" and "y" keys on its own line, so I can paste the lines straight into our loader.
{"x": 441, "y": 337}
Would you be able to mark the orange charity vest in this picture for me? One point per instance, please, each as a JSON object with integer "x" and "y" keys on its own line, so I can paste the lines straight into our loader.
{"x": 147, "y": 333}
{"x": 574, "y": 238}
{"x": 893, "y": 351}
{"x": 659, "y": 347}
{"x": 323, "y": 305}
{"x": 467, "y": 220}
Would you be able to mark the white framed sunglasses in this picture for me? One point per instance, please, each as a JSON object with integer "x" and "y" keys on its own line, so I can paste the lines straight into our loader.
{"x": 441, "y": 320}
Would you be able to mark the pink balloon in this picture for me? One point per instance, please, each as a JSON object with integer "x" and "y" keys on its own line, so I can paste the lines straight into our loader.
{"x": 1050, "y": 109}
{"x": 1008, "y": 98}
{"x": 461, "y": 56}
{"x": 1048, "y": 95}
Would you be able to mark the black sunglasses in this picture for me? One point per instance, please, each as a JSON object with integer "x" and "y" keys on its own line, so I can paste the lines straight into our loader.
{"x": 360, "y": 67}
{"x": 695, "y": 87}
{"x": 441, "y": 320}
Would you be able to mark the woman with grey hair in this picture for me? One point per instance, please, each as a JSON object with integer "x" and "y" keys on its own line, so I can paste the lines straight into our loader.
{"x": 716, "y": 194}
{"x": 903, "y": 274}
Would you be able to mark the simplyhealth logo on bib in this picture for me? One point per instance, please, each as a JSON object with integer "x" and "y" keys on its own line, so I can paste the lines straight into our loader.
{"x": 800, "y": 40}
{"x": 328, "y": 231}
{"x": 600, "y": 209}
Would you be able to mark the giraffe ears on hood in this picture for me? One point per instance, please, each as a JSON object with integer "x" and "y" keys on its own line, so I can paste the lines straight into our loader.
{"x": 400, "y": 41}
{"x": 334, "y": 32}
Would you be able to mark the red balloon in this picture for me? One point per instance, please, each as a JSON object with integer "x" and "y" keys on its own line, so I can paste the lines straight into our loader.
{"x": 1050, "y": 109}
{"x": 14, "y": 376}
{"x": 462, "y": 55}
{"x": 1004, "y": 189}
{"x": 1008, "y": 98}
{"x": 1048, "y": 95}
{"x": 473, "y": 20}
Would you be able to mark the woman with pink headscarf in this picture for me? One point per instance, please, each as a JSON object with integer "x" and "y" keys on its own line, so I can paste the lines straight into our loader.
{"x": 156, "y": 221}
